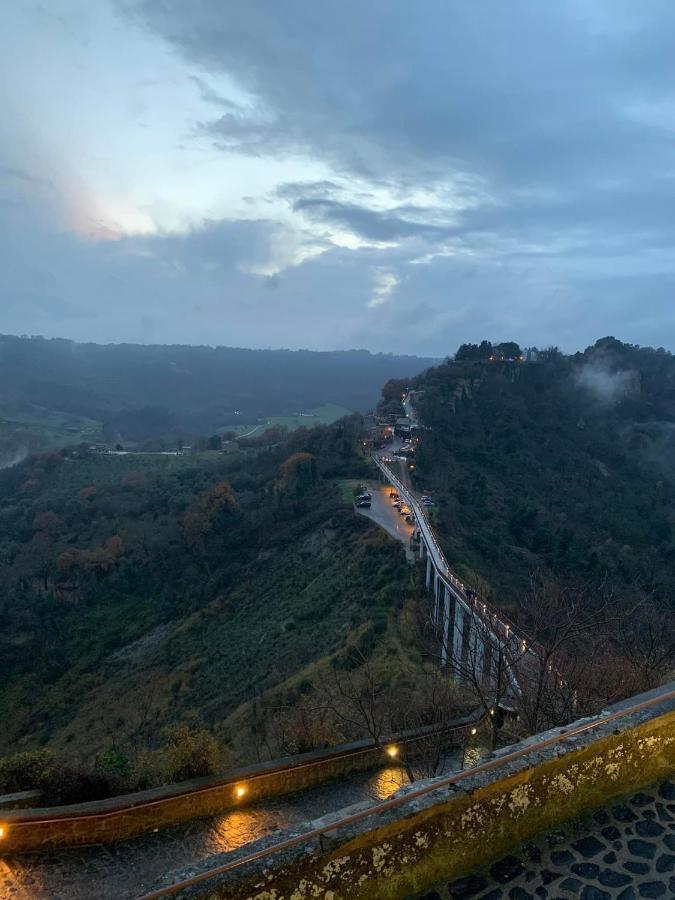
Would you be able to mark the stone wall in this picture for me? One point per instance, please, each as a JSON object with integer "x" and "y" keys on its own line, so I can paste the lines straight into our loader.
{"x": 122, "y": 817}
{"x": 440, "y": 830}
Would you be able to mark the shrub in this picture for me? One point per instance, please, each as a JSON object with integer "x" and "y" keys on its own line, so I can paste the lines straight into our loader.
{"x": 62, "y": 784}
{"x": 23, "y": 771}
{"x": 190, "y": 753}
{"x": 113, "y": 762}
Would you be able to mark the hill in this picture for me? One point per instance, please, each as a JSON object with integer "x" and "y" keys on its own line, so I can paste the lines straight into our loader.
{"x": 143, "y": 591}
{"x": 54, "y": 392}
{"x": 563, "y": 467}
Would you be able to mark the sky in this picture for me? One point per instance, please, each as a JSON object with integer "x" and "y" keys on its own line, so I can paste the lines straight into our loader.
{"x": 396, "y": 176}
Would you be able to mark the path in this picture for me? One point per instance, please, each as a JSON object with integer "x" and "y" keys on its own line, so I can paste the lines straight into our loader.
{"x": 625, "y": 850}
{"x": 128, "y": 868}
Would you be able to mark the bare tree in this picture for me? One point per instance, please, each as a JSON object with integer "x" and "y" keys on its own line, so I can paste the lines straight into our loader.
{"x": 483, "y": 658}
{"x": 645, "y": 638}
{"x": 418, "y": 701}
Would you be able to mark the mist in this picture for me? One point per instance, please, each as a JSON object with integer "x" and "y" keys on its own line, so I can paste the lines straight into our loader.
{"x": 13, "y": 457}
{"x": 605, "y": 386}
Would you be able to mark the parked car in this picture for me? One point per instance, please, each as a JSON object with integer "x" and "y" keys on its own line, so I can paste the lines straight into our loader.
{"x": 409, "y": 519}
{"x": 393, "y": 495}
{"x": 363, "y": 504}
{"x": 366, "y": 496}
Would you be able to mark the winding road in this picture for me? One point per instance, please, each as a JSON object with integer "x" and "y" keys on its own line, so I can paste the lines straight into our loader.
{"x": 127, "y": 869}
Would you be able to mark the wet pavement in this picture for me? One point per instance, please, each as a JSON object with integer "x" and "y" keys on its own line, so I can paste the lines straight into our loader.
{"x": 129, "y": 868}
{"x": 625, "y": 850}
{"x": 387, "y": 516}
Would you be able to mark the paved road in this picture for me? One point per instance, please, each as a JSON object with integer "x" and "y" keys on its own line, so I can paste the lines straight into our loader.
{"x": 625, "y": 850}
{"x": 387, "y": 516}
{"x": 129, "y": 868}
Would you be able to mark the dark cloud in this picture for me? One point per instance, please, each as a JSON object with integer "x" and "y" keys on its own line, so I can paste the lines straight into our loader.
{"x": 515, "y": 158}
{"x": 370, "y": 224}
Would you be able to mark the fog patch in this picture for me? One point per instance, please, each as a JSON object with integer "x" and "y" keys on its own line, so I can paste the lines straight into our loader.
{"x": 12, "y": 457}
{"x": 606, "y": 386}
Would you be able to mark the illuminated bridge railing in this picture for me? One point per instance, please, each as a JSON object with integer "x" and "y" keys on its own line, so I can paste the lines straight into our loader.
{"x": 494, "y": 620}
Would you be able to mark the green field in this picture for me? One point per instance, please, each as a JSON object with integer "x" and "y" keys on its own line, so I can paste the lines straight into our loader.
{"x": 325, "y": 414}
{"x": 321, "y": 415}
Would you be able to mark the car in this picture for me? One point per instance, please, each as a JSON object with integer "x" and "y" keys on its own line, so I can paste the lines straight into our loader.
{"x": 404, "y": 511}
{"x": 366, "y": 496}
{"x": 363, "y": 504}
{"x": 409, "y": 519}
{"x": 393, "y": 495}
{"x": 397, "y": 503}
{"x": 428, "y": 502}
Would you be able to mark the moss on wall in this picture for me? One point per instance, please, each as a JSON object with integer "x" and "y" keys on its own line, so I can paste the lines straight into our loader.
{"x": 455, "y": 833}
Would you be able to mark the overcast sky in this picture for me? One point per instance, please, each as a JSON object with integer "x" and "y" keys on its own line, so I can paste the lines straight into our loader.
{"x": 390, "y": 175}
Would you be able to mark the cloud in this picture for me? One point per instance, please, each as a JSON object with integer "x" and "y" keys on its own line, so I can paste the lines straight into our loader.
{"x": 501, "y": 170}
{"x": 384, "y": 284}
{"x": 605, "y": 385}
{"x": 369, "y": 224}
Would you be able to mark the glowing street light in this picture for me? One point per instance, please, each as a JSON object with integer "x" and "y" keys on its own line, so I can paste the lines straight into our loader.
{"x": 240, "y": 792}
{"x": 474, "y": 730}
{"x": 392, "y": 751}
{"x": 3, "y": 831}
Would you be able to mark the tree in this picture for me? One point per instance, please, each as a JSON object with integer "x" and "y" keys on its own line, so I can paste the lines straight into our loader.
{"x": 467, "y": 352}
{"x": 418, "y": 698}
{"x": 487, "y": 665}
{"x": 507, "y": 350}
{"x": 645, "y": 637}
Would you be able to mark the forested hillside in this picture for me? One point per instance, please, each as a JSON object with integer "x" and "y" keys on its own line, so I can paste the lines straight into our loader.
{"x": 563, "y": 467}
{"x": 135, "y": 392}
{"x": 144, "y": 591}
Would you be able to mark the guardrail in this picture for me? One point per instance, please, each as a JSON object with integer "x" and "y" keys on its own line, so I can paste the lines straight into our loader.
{"x": 482, "y": 607}
{"x": 516, "y": 646}
{"x": 118, "y": 818}
{"x": 661, "y": 697}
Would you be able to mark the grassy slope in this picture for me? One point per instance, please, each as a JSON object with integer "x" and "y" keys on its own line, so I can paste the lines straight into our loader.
{"x": 160, "y": 638}
{"x": 530, "y": 474}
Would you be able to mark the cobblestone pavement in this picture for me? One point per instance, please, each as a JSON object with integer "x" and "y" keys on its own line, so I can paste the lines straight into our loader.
{"x": 625, "y": 850}
{"x": 128, "y": 868}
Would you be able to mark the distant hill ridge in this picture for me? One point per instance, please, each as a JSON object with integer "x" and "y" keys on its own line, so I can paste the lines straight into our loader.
{"x": 194, "y": 389}
{"x": 563, "y": 467}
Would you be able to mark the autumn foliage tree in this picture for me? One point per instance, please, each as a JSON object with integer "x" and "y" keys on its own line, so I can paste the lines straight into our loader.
{"x": 297, "y": 475}
{"x": 98, "y": 559}
{"x": 206, "y": 516}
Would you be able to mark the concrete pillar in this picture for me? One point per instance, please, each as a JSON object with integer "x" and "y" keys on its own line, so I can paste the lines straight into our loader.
{"x": 446, "y": 625}
{"x": 487, "y": 661}
{"x": 478, "y": 652}
{"x": 428, "y": 569}
{"x": 458, "y": 633}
